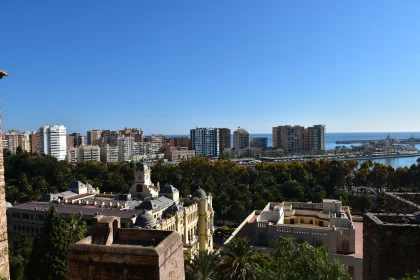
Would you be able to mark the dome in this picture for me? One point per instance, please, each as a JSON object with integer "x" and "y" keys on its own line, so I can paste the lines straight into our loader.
{"x": 199, "y": 193}
{"x": 175, "y": 208}
{"x": 145, "y": 220}
{"x": 168, "y": 189}
{"x": 142, "y": 167}
{"x": 76, "y": 185}
{"x": 8, "y": 204}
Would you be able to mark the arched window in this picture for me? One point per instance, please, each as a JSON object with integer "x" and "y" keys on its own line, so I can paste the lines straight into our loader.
{"x": 139, "y": 188}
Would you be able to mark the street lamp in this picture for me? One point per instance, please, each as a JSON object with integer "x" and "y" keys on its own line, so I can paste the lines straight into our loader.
{"x": 3, "y": 74}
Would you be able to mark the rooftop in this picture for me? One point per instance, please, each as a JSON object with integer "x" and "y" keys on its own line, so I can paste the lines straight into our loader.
{"x": 75, "y": 208}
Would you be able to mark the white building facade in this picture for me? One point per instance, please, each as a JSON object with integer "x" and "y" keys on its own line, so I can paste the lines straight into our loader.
{"x": 109, "y": 153}
{"x": 205, "y": 141}
{"x": 53, "y": 141}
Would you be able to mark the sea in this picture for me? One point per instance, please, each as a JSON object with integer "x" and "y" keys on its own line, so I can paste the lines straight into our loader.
{"x": 332, "y": 137}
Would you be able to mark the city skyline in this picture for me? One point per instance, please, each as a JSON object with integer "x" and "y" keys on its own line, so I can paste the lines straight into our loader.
{"x": 344, "y": 64}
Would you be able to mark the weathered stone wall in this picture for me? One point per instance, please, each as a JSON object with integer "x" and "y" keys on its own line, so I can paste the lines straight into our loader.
{"x": 389, "y": 249}
{"x": 123, "y": 260}
{"x": 401, "y": 203}
{"x": 4, "y": 248}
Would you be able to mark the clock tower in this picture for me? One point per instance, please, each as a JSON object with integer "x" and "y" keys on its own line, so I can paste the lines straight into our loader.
{"x": 143, "y": 186}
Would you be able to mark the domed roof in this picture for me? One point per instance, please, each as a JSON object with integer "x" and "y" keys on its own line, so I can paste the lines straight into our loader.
{"x": 168, "y": 189}
{"x": 142, "y": 167}
{"x": 145, "y": 220}
{"x": 76, "y": 185}
{"x": 175, "y": 208}
{"x": 8, "y": 204}
{"x": 199, "y": 193}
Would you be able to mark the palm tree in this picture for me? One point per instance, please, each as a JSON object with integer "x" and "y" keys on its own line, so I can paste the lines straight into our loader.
{"x": 204, "y": 266}
{"x": 240, "y": 261}
{"x": 77, "y": 228}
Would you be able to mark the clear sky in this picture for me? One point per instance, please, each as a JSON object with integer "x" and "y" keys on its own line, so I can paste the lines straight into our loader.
{"x": 168, "y": 66}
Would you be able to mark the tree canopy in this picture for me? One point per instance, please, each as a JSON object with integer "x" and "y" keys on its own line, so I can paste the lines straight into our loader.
{"x": 289, "y": 260}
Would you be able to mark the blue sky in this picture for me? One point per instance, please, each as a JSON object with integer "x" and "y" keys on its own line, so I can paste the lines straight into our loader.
{"x": 168, "y": 66}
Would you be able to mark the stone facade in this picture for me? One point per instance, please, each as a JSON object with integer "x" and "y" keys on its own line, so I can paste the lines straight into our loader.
{"x": 4, "y": 248}
{"x": 115, "y": 253}
{"x": 392, "y": 240}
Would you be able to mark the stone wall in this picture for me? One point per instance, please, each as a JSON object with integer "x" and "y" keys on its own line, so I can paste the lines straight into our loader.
{"x": 402, "y": 203}
{"x": 128, "y": 257}
{"x": 4, "y": 248}
{"x": 389, "y": 249}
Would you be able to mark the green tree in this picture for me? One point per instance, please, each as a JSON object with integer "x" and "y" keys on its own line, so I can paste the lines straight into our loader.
{"x": 204, "y": 266}
{"x": 48, "y": 259}
{"x": 294, "y": 261}
{"x": 240, "y": 261}
{"x": 19, "y": 258}
{"x": 364, "y": 203}
{"x": 410, "y": 276}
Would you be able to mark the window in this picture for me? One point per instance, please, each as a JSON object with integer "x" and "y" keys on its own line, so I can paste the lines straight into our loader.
{"x": 17, "y": 215}
{"x": 14, "y": 227}
{"x": 41, "y": 217}
{"x": 311, "y": 222}
{"x": 13, "y": 214}
{"x": 25, "y": 216}
{"x": 139, "y": 188}
{"x": 345, "y": 245}
{"x": 321, "y": 223}
{"x": 32, "y": 216}
{"x": 292, "y": 221}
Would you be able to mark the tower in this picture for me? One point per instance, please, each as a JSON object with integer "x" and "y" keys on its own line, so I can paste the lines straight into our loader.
{"x": 4, "y": 248}
{"x": 143, "y": 186}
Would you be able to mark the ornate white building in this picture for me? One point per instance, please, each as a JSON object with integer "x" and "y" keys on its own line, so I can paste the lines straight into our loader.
{"x": 192, "y": 217}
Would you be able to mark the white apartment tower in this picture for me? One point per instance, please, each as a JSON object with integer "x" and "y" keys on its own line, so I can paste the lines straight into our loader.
{"x": 125, "y": 148}
{"x": 109, "y": 153}
{"x": 240, "y": 139}
{"x": 53, "y": 141}
{"x": 205, "y": 141}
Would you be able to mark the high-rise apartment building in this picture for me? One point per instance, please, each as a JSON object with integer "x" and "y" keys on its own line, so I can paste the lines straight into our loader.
{"x": 35, "y": 143}
{"x": 259, "y": 142}
{"x": 155, "y": 138}
{"x": 179, "y": 142}
{"x": 13, "y": 139}
{"x": 224, "y": 139}
{"x": 109, "y": 153}
{"x": 53, "y": 141}
{"x": 110, "y": 137}
{"x": 205, "y": 141}
{"x": 78, "y": 140}
{"x": 240, "y": 139}
{"x": 288, "y": 138}
{"x": 133, "y": 132}
{"x": 125, "y": 148}
{"x": 315, "y": 138}
{"x": 89, "y": 153}
{"x": 93, "y": 135}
